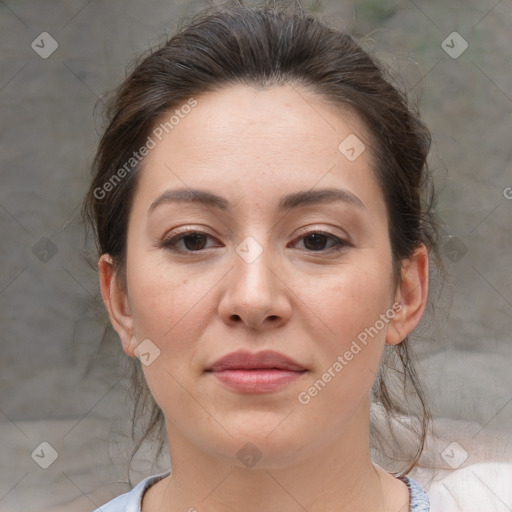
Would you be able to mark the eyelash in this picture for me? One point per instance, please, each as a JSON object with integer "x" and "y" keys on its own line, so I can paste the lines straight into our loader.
{"x": 171, "y": 242}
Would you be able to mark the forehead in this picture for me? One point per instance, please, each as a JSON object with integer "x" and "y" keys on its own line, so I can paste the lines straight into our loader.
{"x": 243, "y": 114}
{"x": 241, "y": 139}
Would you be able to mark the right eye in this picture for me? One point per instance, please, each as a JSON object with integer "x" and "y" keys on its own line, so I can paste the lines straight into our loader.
{"x": 190, "y": 241}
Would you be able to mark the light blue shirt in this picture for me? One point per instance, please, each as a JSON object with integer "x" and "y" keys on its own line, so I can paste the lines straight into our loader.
{"x": 132, "y": 500}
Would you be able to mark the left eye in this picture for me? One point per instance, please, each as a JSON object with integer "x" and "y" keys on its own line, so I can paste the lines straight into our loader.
{"x": 195, "y": 241}
{"x": 316, "y": 241}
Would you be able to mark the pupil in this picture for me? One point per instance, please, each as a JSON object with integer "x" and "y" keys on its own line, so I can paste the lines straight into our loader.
{"x": 318, "y": 238}
{"x": 196, "y": 239}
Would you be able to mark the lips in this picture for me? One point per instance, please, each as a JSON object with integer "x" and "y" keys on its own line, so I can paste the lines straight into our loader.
{"x": 255, "y": 373}
{"x": 263, "y": 360}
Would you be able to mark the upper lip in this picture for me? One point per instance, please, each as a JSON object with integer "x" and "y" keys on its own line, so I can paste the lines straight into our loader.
{"x": 265, "y": 359}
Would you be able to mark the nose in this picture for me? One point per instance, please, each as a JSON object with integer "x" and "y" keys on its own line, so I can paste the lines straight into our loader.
{"x": 255, "y": 294}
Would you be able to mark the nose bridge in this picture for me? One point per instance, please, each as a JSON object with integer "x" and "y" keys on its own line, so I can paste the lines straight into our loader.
{"x": 253, "y": 294}
{"x": 251, "y": 266}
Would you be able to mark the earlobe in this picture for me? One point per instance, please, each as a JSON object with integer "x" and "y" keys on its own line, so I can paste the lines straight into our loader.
{"x": 116, "y": 302}
{"x": 412, "y": 295}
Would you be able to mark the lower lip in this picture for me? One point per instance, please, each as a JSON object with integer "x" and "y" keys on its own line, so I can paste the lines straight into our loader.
{"x": 257, "y": 381}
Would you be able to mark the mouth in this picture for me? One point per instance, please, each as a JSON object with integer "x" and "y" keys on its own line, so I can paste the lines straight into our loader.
{"x": 263, "y": 360}
{"x": 260, "y": 372}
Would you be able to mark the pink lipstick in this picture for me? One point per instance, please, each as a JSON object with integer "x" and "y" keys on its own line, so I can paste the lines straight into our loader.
{"x": 259, "y": 372}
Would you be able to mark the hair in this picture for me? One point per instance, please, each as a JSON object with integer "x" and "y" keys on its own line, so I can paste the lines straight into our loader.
{"x": 265, "y": 46}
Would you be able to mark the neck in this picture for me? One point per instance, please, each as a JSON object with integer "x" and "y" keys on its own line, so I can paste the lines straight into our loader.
{"x": 340, "y": 476}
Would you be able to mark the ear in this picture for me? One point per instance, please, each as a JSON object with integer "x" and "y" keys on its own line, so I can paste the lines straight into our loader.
{"x": 117, "y": 304}
{"x": 411, "y": 296}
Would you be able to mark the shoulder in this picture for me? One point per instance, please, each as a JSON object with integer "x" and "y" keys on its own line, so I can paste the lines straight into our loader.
{"x": 125, "y": 503}
{"x": 131, "y": 501}
{"x": 479, "y": 486}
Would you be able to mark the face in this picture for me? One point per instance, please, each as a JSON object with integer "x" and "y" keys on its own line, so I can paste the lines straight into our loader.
{"x": 272, "y": 263}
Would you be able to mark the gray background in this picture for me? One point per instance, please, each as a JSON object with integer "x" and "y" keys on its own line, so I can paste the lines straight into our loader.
{"x": 60, "y": 384}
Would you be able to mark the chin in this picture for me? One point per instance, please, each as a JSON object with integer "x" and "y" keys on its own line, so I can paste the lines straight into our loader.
{"x": 260, "y": 445}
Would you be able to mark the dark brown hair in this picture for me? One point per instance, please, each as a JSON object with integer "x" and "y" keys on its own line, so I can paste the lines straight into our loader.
{"x": 264, "y": 46}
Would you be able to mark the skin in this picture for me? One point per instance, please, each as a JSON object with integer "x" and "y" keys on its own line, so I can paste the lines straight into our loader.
{"x": 307, "y": 301}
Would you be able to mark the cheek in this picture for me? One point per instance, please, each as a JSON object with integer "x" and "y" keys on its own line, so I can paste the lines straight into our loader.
{"x": 353, "y": 300}
{"x": 164, "y": 302}
{"x": 351, "y": 304}
{"x": 169, "y": 309}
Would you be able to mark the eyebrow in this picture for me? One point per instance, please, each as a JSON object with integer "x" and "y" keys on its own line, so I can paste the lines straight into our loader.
{"x": 287, "y": 202}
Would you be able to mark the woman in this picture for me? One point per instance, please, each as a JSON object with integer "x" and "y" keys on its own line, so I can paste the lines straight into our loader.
{"x": 264, "y": 225}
